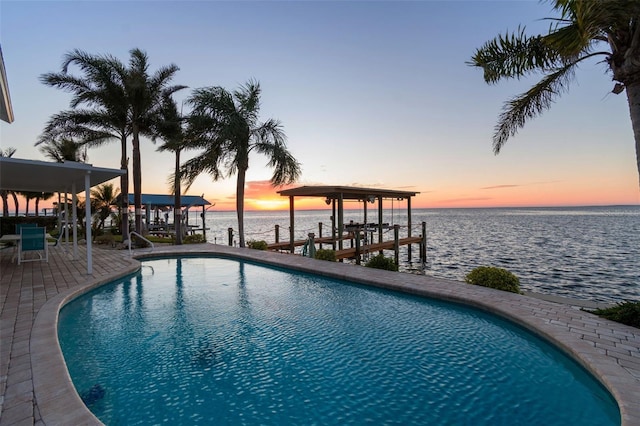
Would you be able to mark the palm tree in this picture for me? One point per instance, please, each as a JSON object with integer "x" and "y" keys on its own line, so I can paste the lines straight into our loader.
{"x": 102, "y": 198}
{"x": 104, "y": 118}
{"x": 4, "y": 194}
{"x": 226, "y": 126}
{"x": 61, "y": 149}
{"x": 145, "y": 94}
{"x": 42, "y": 196}
{"x": 170, "y": 129}
{"x": 28, "y": 196}
{"x": 585, "y": 29}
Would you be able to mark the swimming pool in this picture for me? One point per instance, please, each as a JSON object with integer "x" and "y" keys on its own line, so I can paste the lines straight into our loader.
{"x": 202, "y": 340}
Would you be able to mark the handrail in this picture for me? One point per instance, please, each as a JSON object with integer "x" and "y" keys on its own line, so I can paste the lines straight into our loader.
{"x": 135, "y": 233}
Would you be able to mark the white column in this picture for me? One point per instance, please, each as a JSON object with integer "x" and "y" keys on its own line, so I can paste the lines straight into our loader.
{"x": 74, "y": 201}
{"x": 66, "y": 220}
{"x": 87, "y": 206}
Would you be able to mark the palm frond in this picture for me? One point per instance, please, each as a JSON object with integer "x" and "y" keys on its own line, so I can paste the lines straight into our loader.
{"x": 514, "y": 55}
{"x": 530, "y": 104}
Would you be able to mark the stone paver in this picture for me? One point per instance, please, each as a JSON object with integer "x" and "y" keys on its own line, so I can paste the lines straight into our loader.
{"x": 35, "y": 387}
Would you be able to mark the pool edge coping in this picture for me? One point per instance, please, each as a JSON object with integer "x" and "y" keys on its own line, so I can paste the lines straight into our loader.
{"x": 59, "y": 402}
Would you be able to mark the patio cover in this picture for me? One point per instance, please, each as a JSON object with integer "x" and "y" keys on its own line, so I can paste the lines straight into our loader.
{"x": 6, "y": 111}
{"x": 42, "y": 176}
{"x": 69, "y": 177}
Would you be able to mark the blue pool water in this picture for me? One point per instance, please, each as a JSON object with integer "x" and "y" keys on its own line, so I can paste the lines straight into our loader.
{"x": 217, "y": 341}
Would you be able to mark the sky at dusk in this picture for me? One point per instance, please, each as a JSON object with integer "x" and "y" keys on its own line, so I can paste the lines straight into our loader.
{"x": 370, "y": 93}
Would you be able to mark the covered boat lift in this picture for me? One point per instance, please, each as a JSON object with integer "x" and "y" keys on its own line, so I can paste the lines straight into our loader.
{"x": 336, "y": 196}
{"x": 158, "y": 201}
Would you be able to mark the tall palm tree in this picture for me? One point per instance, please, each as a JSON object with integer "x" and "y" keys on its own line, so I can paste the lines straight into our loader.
{"x": 99, "y": 111}
{"x": 586, "y": 29}
{"x": 226, "y": 126}
{"x": 4, "y": 194}
{"x": 145, "y": 94}
{"x": 169, "y": 127}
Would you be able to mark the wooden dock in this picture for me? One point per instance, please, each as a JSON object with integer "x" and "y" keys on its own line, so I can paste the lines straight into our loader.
{"x": 357, "y": 250}
{"x": 324, "y": 240}
{"x": 354, "y": 252}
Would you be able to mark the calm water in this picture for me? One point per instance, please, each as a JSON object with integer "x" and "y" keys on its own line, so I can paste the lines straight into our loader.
{"x": 216, "y": 341}
{"x": 590, "y": 253}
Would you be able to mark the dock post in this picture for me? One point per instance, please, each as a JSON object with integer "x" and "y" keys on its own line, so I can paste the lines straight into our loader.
{"x": 277, "y": 234}
{"x": 320, "y": 233}
{"x": 230, "y": 230}
{"x": 396, "y": 243}
{"x": 424, "y": 242}
{"x": 357, "y": 247}
{"x": 409, "y": 228}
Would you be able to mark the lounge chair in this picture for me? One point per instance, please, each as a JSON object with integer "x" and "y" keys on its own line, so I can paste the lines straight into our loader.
{"x": 33, "y": 239}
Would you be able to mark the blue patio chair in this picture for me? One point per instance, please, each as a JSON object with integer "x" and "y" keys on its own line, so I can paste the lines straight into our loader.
{"x": 33, "y": 239}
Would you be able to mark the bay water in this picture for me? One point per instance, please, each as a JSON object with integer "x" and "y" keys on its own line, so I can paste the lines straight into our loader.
{"x": 589, "y": 253}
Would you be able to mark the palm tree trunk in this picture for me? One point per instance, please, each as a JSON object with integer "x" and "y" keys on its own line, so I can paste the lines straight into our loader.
{"x": 137, "y": 180}
{"x": 124, "y": 189}
{"x": 5, "y": 203}
{"x": 15, "y": 202}
{"x": 240, "y": 202}
{"x": 177, "y": 201}
{"x": 37, "y": 206}
{"x": 633, "y": 97}
{"x": 26, "y": 210}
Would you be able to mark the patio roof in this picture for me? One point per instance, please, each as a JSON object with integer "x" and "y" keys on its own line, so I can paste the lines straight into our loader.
{"x": 348, "y": 192}
{"x": 6, "y": 111}
{"x": 41, "y": 176}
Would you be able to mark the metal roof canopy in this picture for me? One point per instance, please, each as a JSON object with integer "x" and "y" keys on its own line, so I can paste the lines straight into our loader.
{"x": 336, "y": 195}
{"x": 6, "y": 111}
{"x": 40, "y": 176}
{"x": 163, "y": 200}
{"x": 347, "y": 192}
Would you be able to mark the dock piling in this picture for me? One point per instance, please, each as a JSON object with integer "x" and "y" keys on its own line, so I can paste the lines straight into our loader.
{"x": 396, "y": 243}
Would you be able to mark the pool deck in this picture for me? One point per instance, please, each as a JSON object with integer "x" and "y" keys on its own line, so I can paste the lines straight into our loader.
{"x": 35, "y": 387}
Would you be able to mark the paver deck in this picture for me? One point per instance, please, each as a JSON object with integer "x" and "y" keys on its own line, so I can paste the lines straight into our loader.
{"x": 35, "y": 387}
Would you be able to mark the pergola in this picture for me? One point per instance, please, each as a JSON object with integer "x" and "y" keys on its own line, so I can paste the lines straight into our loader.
{"x": 336, "y": 196}
{"x": 69, "y": 177}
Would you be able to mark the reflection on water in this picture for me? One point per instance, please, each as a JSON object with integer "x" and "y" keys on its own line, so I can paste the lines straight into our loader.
{"x": 583, "y": 252}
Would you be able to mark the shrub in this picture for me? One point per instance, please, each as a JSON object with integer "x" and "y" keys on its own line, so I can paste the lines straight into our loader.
{"x": 493, "y": 277}
{"x": 381, "y": 262}
{"x": 257, "y": 245}
{"x": 194, "y": 239}
{"x": 326, "y": 254}
{"x": 139, "y": 242}
{"x": 105, "y": 238}
{"x": 626, "y": 313}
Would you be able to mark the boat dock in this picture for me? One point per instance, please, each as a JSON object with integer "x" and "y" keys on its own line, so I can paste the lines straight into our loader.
{"x": 335, "y": 196}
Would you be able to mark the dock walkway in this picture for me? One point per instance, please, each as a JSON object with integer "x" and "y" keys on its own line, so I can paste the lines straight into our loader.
{"x": 385, "y": 245}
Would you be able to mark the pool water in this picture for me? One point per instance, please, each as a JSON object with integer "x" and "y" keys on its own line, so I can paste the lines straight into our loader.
{"x": 216, "y": 341}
